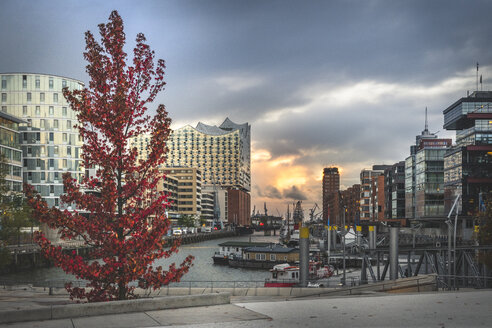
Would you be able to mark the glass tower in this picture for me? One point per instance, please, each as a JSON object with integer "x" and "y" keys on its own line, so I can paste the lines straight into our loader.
{"x": 50, "y": 144}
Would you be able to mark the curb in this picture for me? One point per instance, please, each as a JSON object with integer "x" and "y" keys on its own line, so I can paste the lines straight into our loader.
{"x": 114, "y": 307}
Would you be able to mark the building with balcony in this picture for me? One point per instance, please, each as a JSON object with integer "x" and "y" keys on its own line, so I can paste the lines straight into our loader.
{"x": 350, "y": 199}
{"x": 11, "y": 151}
{"x": 189, "y": 191}
{"x": 222, "y": 154}
{"x": 372, "y": 193}
{"x": 468, "y": 163}
{"x": 50, "y": 144}
{"x": 331, "y": 189}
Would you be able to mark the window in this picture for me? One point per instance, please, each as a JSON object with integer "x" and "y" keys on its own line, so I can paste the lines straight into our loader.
{"x": 38, "y": 110}
{"x": 51, "y": 83}
{"x": 52, "y": 111}
{"x": 64, "y": 111}
{"x": 38, "y": 82}
{"x": 55, "y": 124}
{"x": 69, "y": 151}
{"x": 52, "y": 189}
{"x": 64, "y": 137}
{"x": 4, "y": 97}
{"x": 55, "y": 98}
{"x": 52, "y": 163}
{"x": 56, "y": 150}
{"x": 41, "y": 97}
{"x": 260, "y": 257}
{"x": 29, "y": 97}
{"x": 64, "y": 83}
{"x": 4, "y": 82}
{"x": 24, "y": 110}
{"x": 69, "y": 124}
{"x": 51, "y": 137}
{"x": 64, "y": 163}
{"x": 42, "y": 124}
{"x": 57, "y": 202}
{"x": 24, "y": 81}
{"x": 273, "y": 257}
{"x": 4, "y": 109}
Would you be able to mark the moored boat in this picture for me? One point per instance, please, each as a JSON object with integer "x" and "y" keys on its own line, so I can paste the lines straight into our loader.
{"x": 233, "y": 250}
{"x": 286, "y": 275}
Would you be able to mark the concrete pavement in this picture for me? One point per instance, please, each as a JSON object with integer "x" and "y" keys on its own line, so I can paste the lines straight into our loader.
{"x": 432, "y": 309}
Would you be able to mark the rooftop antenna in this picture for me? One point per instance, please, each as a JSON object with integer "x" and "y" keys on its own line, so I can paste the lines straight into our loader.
{"x": 477, "y": 76}
{"x": 426, "y": 125}
{"x": 481, "y": 85}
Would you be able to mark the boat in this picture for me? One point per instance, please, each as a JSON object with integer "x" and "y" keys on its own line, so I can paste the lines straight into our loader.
{"x": 233, "y": 250}
{"x": 286, "y": 275}
{"x": 265, "y": 257}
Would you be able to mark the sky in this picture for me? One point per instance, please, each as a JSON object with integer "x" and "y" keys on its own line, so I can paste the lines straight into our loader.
{"x": 322, "y": 83}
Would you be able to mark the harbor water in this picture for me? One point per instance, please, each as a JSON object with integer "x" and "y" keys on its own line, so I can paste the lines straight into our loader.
{"x": 202, "y": 271}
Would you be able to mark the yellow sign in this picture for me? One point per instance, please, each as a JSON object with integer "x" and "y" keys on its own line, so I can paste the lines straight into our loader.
{"x": 304, "y": 232}
{"x": 477, "y": 228}
{"x": 359, "y": 228}
{"x": 335, "y": 227}
{"x": 371, "y": 228}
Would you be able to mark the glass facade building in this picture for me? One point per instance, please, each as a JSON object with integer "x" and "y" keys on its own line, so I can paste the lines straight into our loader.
{"x": 50, "y": 144}
{"x": 424, "y": 177}
{"x": 468, "y": 164}
{"x": 10, "y": 150}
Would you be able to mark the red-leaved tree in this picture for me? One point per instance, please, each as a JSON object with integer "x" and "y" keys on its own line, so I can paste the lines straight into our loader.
{"x": 123, "y": 218}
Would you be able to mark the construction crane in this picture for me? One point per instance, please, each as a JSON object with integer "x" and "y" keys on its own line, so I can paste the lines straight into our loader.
{"x": 312, "y": 215}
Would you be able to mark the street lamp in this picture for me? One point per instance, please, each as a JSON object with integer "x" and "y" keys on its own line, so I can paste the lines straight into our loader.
{"x": 344, "y": 232}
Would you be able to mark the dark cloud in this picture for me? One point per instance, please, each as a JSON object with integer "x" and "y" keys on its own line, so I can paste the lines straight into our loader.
{"x": 268, "y": 191}
{"x": 294, "y": 193}
{"x": 248, "y": 59}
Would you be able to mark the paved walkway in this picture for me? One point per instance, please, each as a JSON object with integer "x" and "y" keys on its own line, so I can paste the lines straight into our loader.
{"x": 436, "y": 309}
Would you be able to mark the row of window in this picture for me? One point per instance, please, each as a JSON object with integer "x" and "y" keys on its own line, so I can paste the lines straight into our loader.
{"x": 37, "y": 82}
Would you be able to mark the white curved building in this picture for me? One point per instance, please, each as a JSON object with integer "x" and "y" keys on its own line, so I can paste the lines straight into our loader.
{"x": 50, "y": 144}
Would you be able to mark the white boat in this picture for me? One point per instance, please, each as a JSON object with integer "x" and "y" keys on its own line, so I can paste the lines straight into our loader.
{"x": 286, "y": 275}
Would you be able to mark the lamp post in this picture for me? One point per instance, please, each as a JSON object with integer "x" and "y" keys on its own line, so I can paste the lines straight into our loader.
{"x": 343, "y": 239}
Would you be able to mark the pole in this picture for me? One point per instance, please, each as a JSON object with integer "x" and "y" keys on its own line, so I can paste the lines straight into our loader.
{"x": 304, "y": 255}
{"x": 450, "y": 243}
{"x": 394, "y": 231}
{"x": 343, "y": 236}
{"x": 371, "y": 237}
{"x": 329, "y": 242}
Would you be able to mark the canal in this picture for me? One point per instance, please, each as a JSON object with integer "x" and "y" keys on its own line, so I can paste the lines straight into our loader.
{"x": 203, "y": 269}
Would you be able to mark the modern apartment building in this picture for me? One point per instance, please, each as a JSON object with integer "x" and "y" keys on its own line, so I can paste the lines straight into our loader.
{"x": 189, "y": 192}
{"x": 50, "y": 144}
{"x": 394, "y": 190}
{"x": 215, "y": 204}
{"x": 372, "y": 193}
{"x": 222, "y": 154}
{"x": 350, "y": 199}
{"x": 424, "y": 177}
{"x": 468, "y": 164}
{"x": 331, "y": 189}
{"x": 11, "y": 151}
